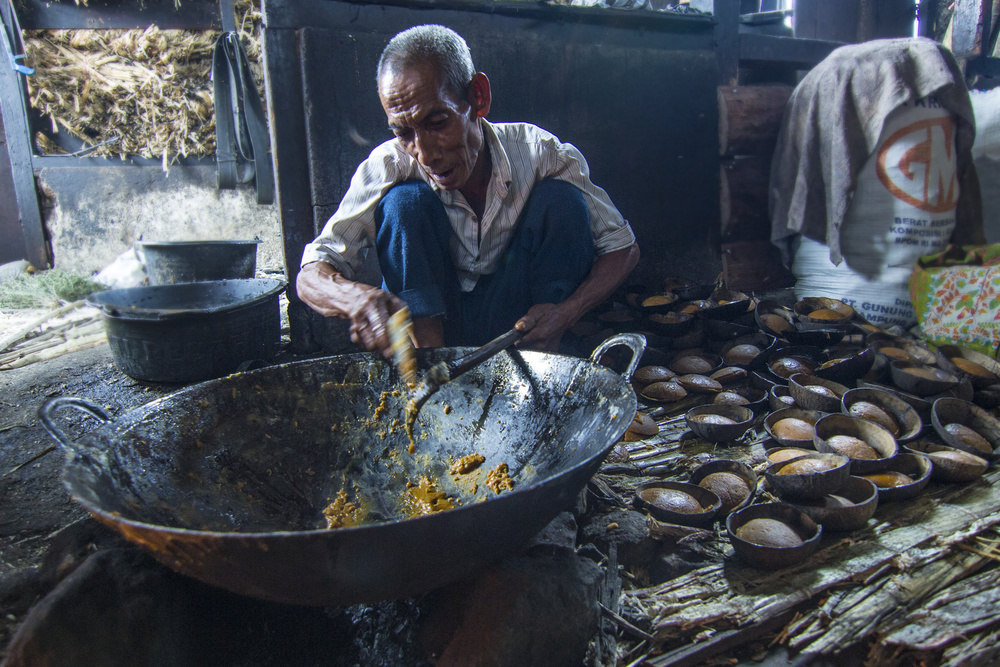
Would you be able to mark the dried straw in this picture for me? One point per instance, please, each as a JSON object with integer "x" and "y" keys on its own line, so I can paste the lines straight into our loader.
{"x": 130, "y": 93}
{"x": 45, "y": 288}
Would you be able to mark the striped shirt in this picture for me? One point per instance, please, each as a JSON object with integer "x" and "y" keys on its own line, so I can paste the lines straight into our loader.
{"x": 522, "y": 155}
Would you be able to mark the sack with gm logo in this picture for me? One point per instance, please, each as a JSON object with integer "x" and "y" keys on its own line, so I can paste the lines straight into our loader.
{"x": 903, "y": 208}
{"x": 956, "y": 294}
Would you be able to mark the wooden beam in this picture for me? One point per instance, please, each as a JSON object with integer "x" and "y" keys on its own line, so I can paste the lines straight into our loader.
{"x": 750, "y": 118}
{"x": 103, "y": 14}
{"x": 727, "y": 37}
{"x": 11, "y": 237}
{"x": 47, "y": 161}
{"x": 19, "y": 149}
{"x": 790, "y": 50}
{"x": 286, "y": 124}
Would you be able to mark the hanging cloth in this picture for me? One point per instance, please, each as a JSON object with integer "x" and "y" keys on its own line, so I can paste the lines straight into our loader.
{"x": 242, "y": 144}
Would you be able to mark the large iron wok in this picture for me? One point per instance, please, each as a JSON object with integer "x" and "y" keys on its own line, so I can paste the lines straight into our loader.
{"x": 225, "y": 481}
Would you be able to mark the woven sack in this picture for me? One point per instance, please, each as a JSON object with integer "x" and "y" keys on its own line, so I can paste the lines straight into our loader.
{"x": 956, "y": 297}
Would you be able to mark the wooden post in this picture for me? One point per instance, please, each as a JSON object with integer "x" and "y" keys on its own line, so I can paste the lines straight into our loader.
{"x": 749, "y": 121}
{"x": 727, "y": 36}
{"x": 13, "y": 106}
{"x": 749, "y": 118}
{"x": 727, "y": 41}
{"x": 286, "y": 119}
{"x": 11, "y": 235}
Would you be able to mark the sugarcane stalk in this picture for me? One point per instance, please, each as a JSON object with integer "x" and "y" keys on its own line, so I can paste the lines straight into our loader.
{"x": 49, "y": 340}
{"x": 58, "y": 351}
{"x": 25, "y": 330}
{"x": 24, "y": 350}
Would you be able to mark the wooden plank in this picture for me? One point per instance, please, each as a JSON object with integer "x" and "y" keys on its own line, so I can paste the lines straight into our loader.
{"x": 754, "y": 267}
{"x": 743, "y": 188}
{"x": 804, "y": 53}
{"x": 102, "y": 14}
{"x": 750, "y": 118}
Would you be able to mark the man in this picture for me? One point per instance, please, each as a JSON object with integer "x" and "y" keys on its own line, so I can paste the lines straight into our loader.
{"x": 477, "y": 227}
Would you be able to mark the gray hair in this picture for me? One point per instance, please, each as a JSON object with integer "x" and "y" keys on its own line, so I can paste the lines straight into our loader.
{"x": 440, "y": 46}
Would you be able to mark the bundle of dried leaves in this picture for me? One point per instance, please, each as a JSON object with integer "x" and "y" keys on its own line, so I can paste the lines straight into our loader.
{"x": 130, "y": 93}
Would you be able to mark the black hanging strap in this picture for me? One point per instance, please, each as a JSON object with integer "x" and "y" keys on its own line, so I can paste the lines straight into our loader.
{"x": 242, "y": 143}
{"x": 228, "y": 15}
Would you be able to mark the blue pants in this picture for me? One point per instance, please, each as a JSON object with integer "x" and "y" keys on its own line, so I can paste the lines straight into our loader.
{"x": 550, "y": 254}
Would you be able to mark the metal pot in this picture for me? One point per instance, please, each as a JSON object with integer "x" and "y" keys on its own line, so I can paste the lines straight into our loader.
{"x": 226, "y": 481}
{"x": 190, "y": 331}
{"x": 169, "y": 262}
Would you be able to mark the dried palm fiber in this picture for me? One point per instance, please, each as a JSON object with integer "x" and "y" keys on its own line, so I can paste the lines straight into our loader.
{"x": 126, "y": 93}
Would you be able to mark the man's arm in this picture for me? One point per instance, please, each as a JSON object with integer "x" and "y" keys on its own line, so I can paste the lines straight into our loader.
{"x": 368, "y": 308}
{"x": 545, "y": 323}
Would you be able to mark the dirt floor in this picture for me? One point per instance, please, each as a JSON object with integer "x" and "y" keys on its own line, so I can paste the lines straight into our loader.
{"x": 34, "y": 504}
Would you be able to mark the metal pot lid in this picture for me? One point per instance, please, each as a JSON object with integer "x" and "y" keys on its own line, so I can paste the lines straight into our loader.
{"x": 184, "y": 299}
{"x": 158, "y": 244}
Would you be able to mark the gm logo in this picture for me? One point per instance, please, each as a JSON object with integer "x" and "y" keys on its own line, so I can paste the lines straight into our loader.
{"x": 917, "y": 166}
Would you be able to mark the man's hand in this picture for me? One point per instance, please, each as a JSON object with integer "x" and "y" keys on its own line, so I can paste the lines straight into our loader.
{"x": 547, "y": 322}
{"x": 369, "y": 316}
{"x": 545, "y": 325}
{"x": 368, "y": 308}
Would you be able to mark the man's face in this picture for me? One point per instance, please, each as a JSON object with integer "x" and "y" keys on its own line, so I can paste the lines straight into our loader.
{"x": 437, "y": 130}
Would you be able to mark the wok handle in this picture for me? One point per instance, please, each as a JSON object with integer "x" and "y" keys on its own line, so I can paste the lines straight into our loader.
{"x": 633, "y": 341}
{"x": 442, "y": 372}
{"x": 490, "y": 349}
{"x": 46, "y": 414}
